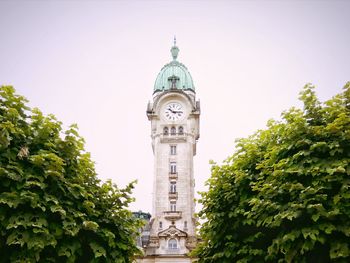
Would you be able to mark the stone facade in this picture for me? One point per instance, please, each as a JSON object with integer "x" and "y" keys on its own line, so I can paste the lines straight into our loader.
{"x": 174, "y": 116}
{"x": 180, "y": 217}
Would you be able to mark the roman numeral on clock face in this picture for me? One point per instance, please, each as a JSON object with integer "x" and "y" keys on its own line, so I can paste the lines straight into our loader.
{"x": 173, "y": 111}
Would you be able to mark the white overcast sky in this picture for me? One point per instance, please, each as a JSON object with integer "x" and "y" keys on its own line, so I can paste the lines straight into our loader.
{"x": 94, "y": 63}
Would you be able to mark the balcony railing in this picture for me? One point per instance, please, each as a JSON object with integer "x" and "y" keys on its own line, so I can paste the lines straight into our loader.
{"x": 173, "y": 134}
{"x": 173, "y": 251}
{"x": 172, "y": 195}
{"x": 172, "y": 215}
{"x": 173, "y": 137}
{"x": 172, "y": 175}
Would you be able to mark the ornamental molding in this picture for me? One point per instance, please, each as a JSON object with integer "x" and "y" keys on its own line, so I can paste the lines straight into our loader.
{"x": 191, "y": 242}
{"x": 171, "y": 93}
{"x": 172, "y": 232}
{"x": 153, "y": 242}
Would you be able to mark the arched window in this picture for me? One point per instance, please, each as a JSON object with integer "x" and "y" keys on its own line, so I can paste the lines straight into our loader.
{"x": 172, "y": 243}
{"x": 172, "y": 207}
{"x": 160, "y": 224}
{"x": 185, "y": 224}
{"x": 166, "y": 131}
{"x": 172, "y": 187}
{"x": 181, "y": 130}
{"x": 173, "y": 130}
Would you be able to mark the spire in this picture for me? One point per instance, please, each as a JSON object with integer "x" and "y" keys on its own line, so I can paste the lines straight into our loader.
{"x": 174, "y": 50}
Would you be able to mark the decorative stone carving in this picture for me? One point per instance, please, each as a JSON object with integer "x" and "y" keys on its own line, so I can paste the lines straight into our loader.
{"x": 153, "y": 242}
{"x": 172, "y": 232}
{"x": 191, "y": 242}
{"x": 172, "y": 215}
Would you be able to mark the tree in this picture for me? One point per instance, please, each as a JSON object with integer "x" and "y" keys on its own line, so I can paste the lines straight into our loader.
{"x": 53, "y": 208}
{"x": 284, "y": 195}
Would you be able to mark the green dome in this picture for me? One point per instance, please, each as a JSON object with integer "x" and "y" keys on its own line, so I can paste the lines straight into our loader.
{"x": 174, "y": 75}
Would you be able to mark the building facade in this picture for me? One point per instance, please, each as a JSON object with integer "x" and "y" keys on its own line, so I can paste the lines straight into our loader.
{"x": 174, "y": 116}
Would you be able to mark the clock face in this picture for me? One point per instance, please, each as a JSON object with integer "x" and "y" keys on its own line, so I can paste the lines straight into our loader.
{"x": 173, "y": 111}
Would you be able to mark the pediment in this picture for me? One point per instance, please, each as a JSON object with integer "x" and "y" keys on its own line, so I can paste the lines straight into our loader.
{"x": 172, "y": 231}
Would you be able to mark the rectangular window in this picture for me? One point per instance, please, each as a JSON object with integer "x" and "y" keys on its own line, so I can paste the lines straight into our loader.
{"x": 173, "y": 149}
{"x": 173, "y": 167}
{"x": 172, "y": 243}
{"x": 172, "y": 187}
{"x": 172, "y": 207}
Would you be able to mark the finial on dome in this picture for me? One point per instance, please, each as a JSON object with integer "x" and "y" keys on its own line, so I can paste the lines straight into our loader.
{"x": 174, "y": 50}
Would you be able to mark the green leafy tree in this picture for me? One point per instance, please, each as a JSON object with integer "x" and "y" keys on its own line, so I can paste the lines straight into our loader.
{"x": 284, "y": 195}
{"x": 52, "y": 206}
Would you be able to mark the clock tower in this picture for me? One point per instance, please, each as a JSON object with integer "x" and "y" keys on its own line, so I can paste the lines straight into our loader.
{"x": 174, "y": 116}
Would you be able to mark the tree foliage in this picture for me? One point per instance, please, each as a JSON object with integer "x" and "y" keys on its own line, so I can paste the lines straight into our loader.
{"x": 52, "y": 206}
{"x": 284, "y": 195}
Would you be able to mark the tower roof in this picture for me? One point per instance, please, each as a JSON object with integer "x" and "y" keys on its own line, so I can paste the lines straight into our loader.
{"x": 174, "y": 75}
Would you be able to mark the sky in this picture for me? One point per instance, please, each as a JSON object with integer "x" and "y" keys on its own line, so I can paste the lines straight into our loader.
{"x": 94, "y": 63}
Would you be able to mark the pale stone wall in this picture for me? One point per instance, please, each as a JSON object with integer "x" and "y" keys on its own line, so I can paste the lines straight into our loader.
{"x": 185, "y": 150}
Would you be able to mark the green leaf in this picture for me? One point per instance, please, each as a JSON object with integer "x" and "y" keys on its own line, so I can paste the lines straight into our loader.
{"x": 339, "y": 250}
{"x": 90, "y": 225}
{"x": 315, "y": 217}
{"x": 288, "y": 183}
{"x": 10, "y": 198}
{"x": 98, "y": 250}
